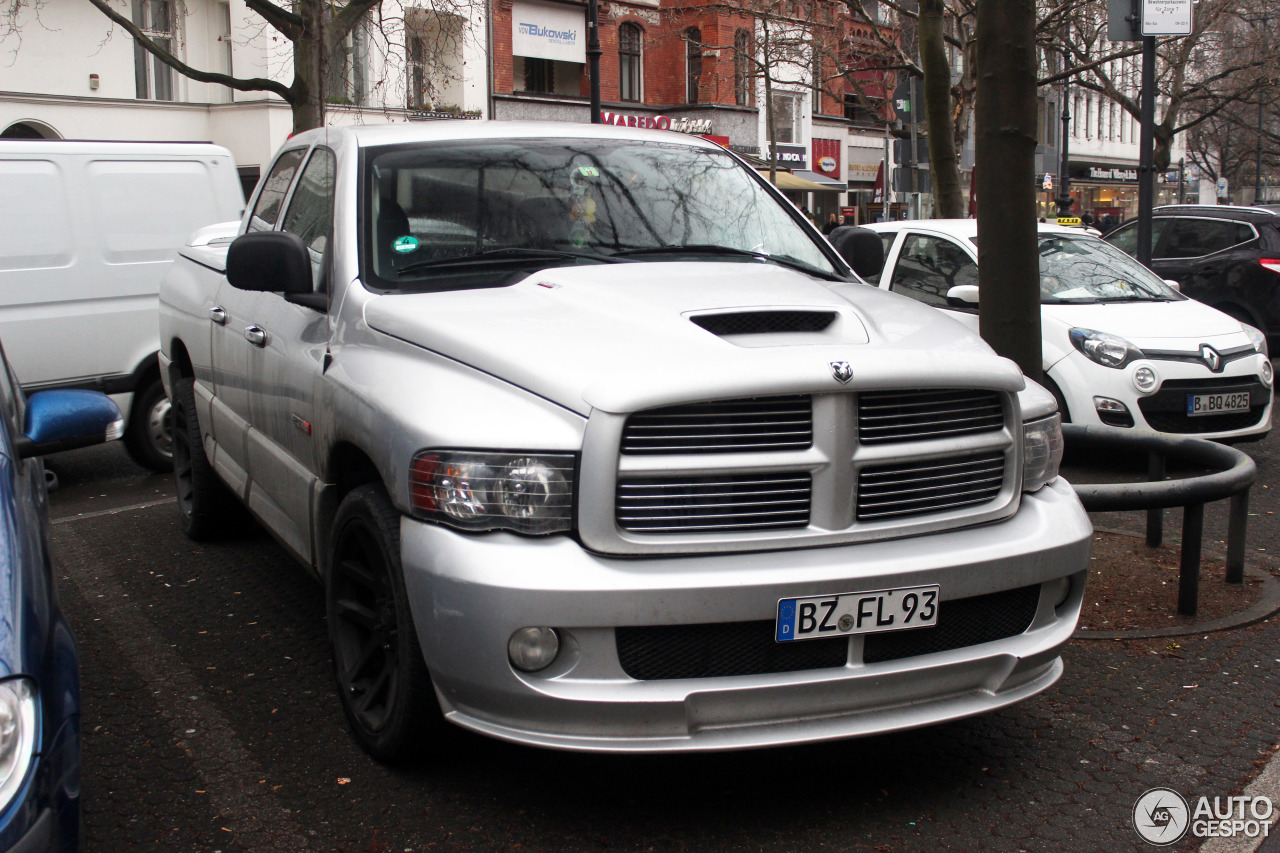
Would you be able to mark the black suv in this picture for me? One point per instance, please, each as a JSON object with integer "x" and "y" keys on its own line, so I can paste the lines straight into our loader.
{"x": 1227, "y": 257}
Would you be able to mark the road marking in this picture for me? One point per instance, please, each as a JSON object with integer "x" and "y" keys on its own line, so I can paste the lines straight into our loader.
{"x": 80, "y": 516}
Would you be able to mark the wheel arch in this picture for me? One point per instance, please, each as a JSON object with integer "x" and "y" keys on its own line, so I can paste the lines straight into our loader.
{"x": 347, "y": 467}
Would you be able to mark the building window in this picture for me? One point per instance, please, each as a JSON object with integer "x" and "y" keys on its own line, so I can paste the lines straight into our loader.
{"x": 434, "y": 48}
{"x": 855, "y": 112}
{"x": 742, "y": 58}
{"x": 786, "y": 118}
{"x": 1051, "y": 125}
{"x": 693, "y": 63}
{"x": 539, "y": 74}
{"x": 344, "y": 73}
{"x": 630, "y": 69}
{"x": 152, "y": 78}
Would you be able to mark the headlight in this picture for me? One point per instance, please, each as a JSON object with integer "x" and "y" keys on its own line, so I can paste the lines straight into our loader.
{"x": 1041, "y": 452}
{"x": 1107, "y": 350}
{"x": 17, "y": 735}
{"x": 1256, "y": 337}
{"x": 493, "y": 491}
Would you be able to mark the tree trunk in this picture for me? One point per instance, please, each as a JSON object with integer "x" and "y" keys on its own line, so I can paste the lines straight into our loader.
{"x": 943, "y": 163}
{"x": 309, "y": 54}
{"x": 1008, "y": 262}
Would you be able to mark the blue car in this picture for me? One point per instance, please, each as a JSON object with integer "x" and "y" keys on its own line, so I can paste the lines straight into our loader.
{"x": 39, "y": 669}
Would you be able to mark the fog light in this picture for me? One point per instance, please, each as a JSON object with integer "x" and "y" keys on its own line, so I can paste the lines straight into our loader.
{"x": 532, "y": 649}
{"x": 1058, "y": 591}
{"x": 1268, "y": 373}
{"x": 1144, "y": 379}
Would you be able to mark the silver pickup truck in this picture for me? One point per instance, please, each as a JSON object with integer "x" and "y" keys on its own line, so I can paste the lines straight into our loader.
{"x": 595, "y": 443}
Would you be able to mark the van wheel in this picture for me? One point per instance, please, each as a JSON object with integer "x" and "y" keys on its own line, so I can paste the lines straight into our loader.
{"x": 208, "y": 508}
{"x": 383, "y": 682}
{"x": 149, "y": 435}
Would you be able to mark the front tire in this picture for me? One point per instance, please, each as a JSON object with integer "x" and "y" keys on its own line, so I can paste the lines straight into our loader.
{"x": 383, "y": 683}
{"x": 208, "y": 509}
{"x": 149, "y": 435}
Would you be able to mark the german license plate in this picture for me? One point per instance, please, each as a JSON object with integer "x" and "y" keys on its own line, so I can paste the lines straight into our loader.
{"x": 818, "y": 616}
{"x": 1199, "y": 405}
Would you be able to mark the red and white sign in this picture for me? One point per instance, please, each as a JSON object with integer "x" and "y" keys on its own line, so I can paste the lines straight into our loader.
{"x": 826, "y": 158}
{"x": 877, "y": 194}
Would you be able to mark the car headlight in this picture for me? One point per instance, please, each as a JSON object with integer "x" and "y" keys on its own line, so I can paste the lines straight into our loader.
{"x": 523, "y": 492}
{"x": 17, "y": 735}
{"x": 1041, "y": 452}
{"x": 1107, "y": 350}
{"x": 1256, "y": 338}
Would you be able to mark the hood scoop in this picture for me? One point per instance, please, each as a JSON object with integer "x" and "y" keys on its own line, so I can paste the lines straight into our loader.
{"x": 781, "y": 328}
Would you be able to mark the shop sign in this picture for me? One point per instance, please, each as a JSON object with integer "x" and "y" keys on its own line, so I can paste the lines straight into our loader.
{"x": 699, "y": 126}
{"x": 826, "y": 158}
{"x": 791, "y": 156}
{"x": 1099, "y": 174}
{"x": 547, "y": 31}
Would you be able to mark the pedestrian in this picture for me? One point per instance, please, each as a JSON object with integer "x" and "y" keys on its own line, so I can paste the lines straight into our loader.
{"x": 805, "y": 210}
{"x": 1087, "y": 219}
{"x": 832, "y": 224}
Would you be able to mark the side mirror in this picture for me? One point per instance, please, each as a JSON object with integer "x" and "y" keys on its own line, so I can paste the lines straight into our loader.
{"x": 270, "y": 261}
{"x": 963, "y": 296}
{"x": 1173, "y": 284}
{"x": 67, "y": 419}
{"x": 861, "y": 248}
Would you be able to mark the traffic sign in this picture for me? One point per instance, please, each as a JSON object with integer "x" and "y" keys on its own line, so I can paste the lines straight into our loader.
{"x": 1166, "y": 17}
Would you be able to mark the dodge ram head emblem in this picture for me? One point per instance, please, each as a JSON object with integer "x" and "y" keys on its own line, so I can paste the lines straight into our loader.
{"x": 1211, "y": 357}
{"x": 841, "y": 370}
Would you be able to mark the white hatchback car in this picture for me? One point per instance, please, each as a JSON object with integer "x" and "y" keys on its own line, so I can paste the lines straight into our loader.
{"x": 1121, "y": 347}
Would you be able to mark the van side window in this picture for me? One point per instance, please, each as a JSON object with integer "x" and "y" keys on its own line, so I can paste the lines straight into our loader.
{"x": 277, "y": 183}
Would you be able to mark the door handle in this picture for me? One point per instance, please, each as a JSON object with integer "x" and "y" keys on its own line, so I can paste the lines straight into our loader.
{"x": 218, "y": 314}
{"x": 256, "y": 335}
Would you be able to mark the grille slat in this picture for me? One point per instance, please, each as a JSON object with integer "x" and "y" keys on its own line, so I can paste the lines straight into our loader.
{"x": 885, "y": 417}
{"x": 904, "y": 489}
{"x": 727, "y": 426}
{"x": 713, "y": 502}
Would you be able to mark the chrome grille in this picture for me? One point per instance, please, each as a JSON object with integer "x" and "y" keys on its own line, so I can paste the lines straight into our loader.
{"x": 729, "y": 426}
{"x": 720, "y": 502}
{"x": 889, "y": 416}
{"x": 904, "y": 489}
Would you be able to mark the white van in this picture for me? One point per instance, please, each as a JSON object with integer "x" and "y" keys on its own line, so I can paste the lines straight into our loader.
{"x": 87, "y": 230}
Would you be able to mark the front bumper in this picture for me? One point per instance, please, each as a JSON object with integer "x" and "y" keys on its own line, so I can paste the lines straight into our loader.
{"x": 1164, "y": 409}
{"x": 470, "y": 593}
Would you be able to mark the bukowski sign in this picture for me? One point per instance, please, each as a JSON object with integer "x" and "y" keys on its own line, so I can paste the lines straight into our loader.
{"x": 548, "y": 31}
{"x": 680, "y": 125}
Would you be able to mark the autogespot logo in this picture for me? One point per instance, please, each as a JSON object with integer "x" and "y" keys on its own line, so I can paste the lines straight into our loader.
{"x": 1161, "y": 816}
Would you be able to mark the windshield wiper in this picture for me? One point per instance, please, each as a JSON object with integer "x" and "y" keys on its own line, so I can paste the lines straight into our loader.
{"x": 510, "y": 254}
{"x": 714, "y": 249}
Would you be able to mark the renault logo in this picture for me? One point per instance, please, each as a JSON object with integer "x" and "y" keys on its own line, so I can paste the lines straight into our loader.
{"x": 841, "y": 370}
{"x": 1211, "y": 358}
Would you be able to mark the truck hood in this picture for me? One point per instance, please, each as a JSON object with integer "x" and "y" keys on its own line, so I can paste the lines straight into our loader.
{"x": 622, "y": 337}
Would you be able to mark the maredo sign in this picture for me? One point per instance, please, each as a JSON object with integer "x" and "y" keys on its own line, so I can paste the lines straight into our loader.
{"x": 680, "y": 125}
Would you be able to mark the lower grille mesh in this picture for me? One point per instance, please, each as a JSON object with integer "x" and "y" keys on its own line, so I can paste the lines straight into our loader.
{"x": 748, "y": 648}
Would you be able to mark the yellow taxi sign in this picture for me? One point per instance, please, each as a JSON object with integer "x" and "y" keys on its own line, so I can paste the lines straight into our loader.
{"x": 1069, "y": 220}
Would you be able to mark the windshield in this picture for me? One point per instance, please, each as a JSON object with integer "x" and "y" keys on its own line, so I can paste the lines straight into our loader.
{"x": 480, "y": 214}
{"x": 1079, "y": 268}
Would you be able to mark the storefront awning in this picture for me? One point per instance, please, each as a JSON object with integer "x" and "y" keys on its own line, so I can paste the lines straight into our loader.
{"x": 825, "y": 182}
{"x": 787, "y": 181}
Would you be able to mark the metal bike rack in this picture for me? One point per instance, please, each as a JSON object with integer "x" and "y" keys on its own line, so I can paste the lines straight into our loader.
{"x": 1234, "y": 473}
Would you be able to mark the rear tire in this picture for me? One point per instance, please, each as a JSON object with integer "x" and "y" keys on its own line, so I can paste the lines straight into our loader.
{"x": 208, "y": 508}
{"x": 149, "y": 435}
{"x": 382, "y": 680}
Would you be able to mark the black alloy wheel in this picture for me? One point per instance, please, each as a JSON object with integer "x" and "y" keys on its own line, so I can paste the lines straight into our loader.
{"x": 207, "y": 507}
{"x": 383, "y": 682}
